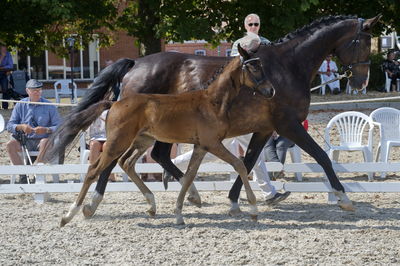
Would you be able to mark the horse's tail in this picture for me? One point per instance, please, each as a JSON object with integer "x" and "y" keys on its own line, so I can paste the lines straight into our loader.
{"x": 102, "y": 85}
{"x": 104, "y": 82}
{"x": 72, "y": 125}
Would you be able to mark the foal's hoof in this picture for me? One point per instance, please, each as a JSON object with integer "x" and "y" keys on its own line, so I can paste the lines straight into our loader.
{"x": 63, "y": 222}
{"x": 151, "y": 212}
{"x": 254, "y": 217}
{"x": 195, "y": 201}
{"x": 87, "y": 211}
{"x": 347, "y": 206}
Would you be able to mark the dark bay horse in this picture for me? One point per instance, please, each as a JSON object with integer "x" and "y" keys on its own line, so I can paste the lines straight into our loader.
{"x": 290, "y": 65}
{"x": 198, "y": 117}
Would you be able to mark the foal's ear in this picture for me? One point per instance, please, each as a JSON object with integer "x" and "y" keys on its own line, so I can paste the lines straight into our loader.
{"x": 369, "y": 23}
{"x": 245, "y": 55}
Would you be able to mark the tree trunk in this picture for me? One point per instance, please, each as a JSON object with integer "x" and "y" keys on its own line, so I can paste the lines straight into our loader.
{"x": 149, "y": 15}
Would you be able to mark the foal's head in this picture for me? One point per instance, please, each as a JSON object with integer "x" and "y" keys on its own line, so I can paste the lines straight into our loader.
{"x": 253, "y": 75}
{"x": 354, "y": 52}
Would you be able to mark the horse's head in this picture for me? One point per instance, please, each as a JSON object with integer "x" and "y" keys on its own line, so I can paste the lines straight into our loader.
{"x": 254, "y": 75}
{"x": 354, "y": 52}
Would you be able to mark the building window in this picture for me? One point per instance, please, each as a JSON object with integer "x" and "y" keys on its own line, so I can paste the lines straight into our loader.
{"x": 49, "y": 66}
{"x": 228, "y": 52}
{"x": 200, "y": 52}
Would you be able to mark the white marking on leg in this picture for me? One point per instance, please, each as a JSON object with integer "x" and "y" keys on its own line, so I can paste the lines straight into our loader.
{"x": 150, "y": 200}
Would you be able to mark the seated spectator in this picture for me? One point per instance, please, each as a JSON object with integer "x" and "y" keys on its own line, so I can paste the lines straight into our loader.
{"x": 276, "y": 148}
{"x": 97, "y": 142}
{"x": 392, "y": 68}
{"x": 32, "y": 121}
{"x": 328, "y": 71}
{"x": 6, "y": 65}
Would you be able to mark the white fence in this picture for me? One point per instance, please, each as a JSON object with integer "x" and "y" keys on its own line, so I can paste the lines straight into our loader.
{"x": 40, "y": 189}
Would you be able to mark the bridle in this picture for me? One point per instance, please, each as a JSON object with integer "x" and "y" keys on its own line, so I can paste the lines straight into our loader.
{"x": 355, "y": 43}
{"x": 252, "y": 76}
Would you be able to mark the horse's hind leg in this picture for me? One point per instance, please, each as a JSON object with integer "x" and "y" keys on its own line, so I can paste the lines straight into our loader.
{"x": 127, "y": 163}
{"x": 161, "y": 154}
{"x": 195, "y": 161}
{"x": 299, "y": 135}
{"x": 221, "y": 152}
{"x": 89, "y": 209}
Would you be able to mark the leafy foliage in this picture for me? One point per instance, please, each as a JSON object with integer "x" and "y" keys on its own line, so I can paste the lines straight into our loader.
{"x": 43, "y": 24}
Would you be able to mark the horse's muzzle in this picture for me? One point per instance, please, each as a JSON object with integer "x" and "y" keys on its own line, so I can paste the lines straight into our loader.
{"x": 267, "y": 92}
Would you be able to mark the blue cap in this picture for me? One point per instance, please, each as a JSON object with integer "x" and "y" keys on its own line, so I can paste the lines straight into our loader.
{"x": 33, "y": 84}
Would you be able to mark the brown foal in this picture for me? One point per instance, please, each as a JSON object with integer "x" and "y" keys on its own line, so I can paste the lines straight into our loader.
{"x": 197, "y": 117}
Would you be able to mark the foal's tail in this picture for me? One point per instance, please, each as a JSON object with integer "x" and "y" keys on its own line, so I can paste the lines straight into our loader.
{"x": 102, "y": 85}
{"x": 72, "y": 125}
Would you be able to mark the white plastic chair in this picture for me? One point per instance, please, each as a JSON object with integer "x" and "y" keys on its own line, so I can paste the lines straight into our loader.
{"x": 323, "y": 87}
{"x": 2, "y": 123}
{"x": 388, "y": 121}
{"x": 350, "y": 127}
{"x": 62, "y": 87}
{"x": 388, "y": 83}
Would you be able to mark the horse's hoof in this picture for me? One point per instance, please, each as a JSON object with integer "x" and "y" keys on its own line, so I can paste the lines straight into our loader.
{"x": 180, "y": 221}
{"x": 234, "y": 212}
{"x": 254, "y": 217}
{"x": 347, "y": 206}
{"x": 151, "y": 213}
{"x": 87, "y": 211}
{"x": 195, "y": 201}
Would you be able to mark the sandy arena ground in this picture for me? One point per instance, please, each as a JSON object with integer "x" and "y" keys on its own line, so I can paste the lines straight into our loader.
{"x": 302, "y": 230}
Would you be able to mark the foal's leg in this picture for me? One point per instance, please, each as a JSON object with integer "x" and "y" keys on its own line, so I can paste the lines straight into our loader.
{"x": 98, "y": 194}
{"x": 296, "y": 132}
{"x": 254, "y": 149}
{"x": 195, "y": 161}
{"x": 221, "y": 152}
{"x": 99, "y": 166}
{"x": 161, "y": 154}
{"x": 128, "y": 161}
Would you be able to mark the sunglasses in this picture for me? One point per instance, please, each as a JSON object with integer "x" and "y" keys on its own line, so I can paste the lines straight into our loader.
{"x": 253, "y": 24}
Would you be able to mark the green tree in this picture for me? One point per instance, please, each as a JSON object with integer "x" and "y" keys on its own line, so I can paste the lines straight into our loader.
{"x": 43, "y": 24}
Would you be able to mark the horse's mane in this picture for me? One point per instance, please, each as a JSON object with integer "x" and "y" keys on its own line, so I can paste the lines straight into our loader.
{"x": 312, "y": 27}
{"x": 216, "y": 74}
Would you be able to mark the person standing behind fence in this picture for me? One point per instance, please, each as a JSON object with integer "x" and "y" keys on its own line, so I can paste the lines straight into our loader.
{"x": 34, "y": 120}
{"x": 252, "y": 26}
{"x": 328, "y": 71}
{"x": 6, "y": 65}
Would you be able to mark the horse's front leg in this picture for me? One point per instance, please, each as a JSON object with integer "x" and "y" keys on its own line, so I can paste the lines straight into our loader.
{"x": 254, "y": 149}
{"x": 161, "y": 154}
{"x": 296, "y": 132}
{"x": 195, "y": 161}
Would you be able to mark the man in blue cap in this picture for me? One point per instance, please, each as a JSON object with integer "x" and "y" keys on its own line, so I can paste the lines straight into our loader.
{"x": 31, "y": 120}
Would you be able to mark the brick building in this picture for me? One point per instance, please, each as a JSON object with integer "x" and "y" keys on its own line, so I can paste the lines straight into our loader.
{"x": 88, "y": 61}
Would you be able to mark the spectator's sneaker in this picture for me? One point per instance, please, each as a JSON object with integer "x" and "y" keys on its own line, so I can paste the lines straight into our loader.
{"x": 278, "y": 197}
{"x": 23, "y": 179}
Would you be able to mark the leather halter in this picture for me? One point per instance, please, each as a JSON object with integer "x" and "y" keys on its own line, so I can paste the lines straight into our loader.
{"x": 251, "y": 75}
{"x": 355, "y": 44}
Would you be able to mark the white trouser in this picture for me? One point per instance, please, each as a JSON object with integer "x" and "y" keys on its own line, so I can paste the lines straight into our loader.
{"x": 259, "y": 170}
